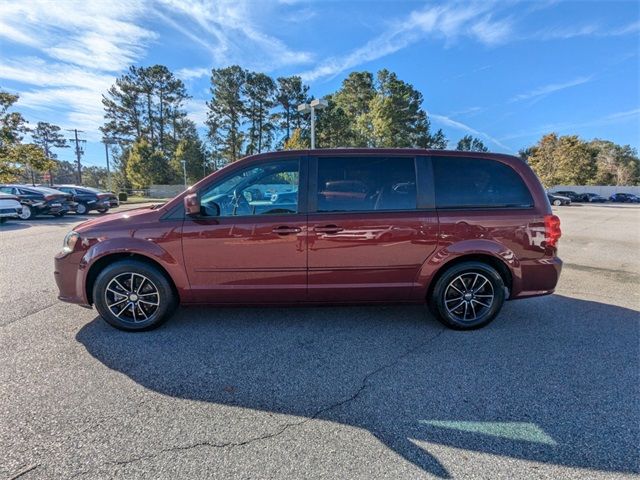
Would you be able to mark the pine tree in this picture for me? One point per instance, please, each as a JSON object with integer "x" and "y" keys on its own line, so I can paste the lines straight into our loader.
{"x": 47, "y": 136}
{"x": 227, "y": 110}
{"x": 260, "y": 92}
{"x": 469, "y": 143}
{"x": 291, "y": 93}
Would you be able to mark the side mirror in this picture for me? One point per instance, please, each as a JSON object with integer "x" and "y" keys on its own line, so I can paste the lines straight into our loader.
{"x": 192, "y": 204}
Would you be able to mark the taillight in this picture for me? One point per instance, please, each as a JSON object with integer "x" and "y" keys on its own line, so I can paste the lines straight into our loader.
{"x": 552, "y": 232}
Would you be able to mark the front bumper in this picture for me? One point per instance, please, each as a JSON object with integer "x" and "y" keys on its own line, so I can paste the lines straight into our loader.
{"x": 69, "y": 276}
{"x": 10, "y": 212}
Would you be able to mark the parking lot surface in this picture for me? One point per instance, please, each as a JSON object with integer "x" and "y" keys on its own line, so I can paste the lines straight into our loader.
{"x": 551, "y": 389}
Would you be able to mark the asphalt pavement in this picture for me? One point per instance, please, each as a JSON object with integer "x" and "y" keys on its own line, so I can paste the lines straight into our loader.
{"x": 551, "y": 389}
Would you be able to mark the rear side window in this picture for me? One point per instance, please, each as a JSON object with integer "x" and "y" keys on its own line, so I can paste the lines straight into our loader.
{"x": 478, "y": 183}
{"x": 357, "y": 184}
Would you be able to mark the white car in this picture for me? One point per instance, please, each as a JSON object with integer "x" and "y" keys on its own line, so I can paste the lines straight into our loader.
{"x": 9, "y": 207}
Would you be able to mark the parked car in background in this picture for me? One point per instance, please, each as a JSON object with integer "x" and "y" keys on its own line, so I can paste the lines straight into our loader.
{"x": 10, "y": 207}
{"x": 595, "y": 198}
{"x": 459, "y": 231}
{"x": 573, "y": 196}
{"x": 40, "y": 200}
{"x": 558, "y": 200}
{"x": 624, "y": 198}
{"x": 89, "y": 199}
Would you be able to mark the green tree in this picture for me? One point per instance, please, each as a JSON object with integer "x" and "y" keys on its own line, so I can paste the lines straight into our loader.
{"x": 191, "y": 151}
{"x": 147, "y": 166}
{"x": 94, "y": 176}
{"x": 471, "y": 144}
{"x": 291, "y": 93}
{"x": 616, "y": 164}
{"x": 439, "y": 140}
{"x": 296, "y": 141}
{"x": 334, "y": 127}
{"x": 12, "y": 129}
{"x": 227, "y": 110}
{"x": 32, "y": 158}
{"x": 260, "y": 92}
{"x": 47, "y": 136}
{"x": 146, "y": 102}
{"x": 354, "y": 99}
{"x": 565, "y": 160}
{"x": 396, "y": 114}
{"x": 65, "y": 172}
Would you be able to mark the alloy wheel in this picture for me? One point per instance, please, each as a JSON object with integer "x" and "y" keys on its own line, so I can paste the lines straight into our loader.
{"x": 132, "y": 297}
{"x": 25, "y": 214}
{"x": 469, "y": 296}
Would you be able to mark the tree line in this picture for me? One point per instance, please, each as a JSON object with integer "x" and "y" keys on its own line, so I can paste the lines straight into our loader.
{"x": 152, "y": 140}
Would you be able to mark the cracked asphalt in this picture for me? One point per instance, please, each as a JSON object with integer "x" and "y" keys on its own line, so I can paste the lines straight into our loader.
{"x": 551, "y": 389}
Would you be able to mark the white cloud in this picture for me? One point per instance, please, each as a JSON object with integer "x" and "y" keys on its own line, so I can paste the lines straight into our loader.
{"x": 78, "y": 48}
{"x": 447, "y": 22}
{"x": 449, "y": 122}
{"x": 589, "y": 30}
{"x": 197, "y": 110}
{"x": 551, "y": 88}
{"x": 228, "y": 31}
{"x": 609, "y": 119}
{"x": 94, "y": 34}
{"x": 192, "y": 73}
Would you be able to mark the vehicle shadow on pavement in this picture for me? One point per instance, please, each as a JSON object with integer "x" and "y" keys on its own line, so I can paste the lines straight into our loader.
{"x": 552, "y": 380}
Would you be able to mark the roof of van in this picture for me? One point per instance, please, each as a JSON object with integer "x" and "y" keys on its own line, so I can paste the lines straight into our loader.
{"x": 386, "y": 151}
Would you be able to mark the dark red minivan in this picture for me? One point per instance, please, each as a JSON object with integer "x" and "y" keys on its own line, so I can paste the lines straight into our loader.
{"x": 461, "y": 231}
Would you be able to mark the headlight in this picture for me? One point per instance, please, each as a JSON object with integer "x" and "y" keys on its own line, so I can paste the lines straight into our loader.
{"x": 70, "y": 241}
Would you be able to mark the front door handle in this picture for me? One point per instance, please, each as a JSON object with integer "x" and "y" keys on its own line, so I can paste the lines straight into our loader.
{"x": 328, "y": 229}
{"x": 284, "y": 230}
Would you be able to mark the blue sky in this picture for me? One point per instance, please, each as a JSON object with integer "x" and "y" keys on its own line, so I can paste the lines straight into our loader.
{"x": 503, "y": 71}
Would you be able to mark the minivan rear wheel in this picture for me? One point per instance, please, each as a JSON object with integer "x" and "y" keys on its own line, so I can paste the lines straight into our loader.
{"x": 469, "y": 295}
{"x": 133, "y": 296}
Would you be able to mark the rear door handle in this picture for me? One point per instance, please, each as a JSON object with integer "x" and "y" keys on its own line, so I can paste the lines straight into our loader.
{"x": 328, "y": 229}
{"x": 284, "y": 230}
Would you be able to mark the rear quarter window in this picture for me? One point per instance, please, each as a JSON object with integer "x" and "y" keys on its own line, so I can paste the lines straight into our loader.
{"x": 478, "y": 183}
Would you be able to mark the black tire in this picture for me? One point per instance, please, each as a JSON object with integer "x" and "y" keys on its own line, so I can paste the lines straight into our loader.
{"x": 127, "y": 321}
{"x": 82, "y": 209}
{"x": 27, "y": 213}
{"x": 465, "y": 278}
{"x": 103, "y": 210}
{"x": 557, "y": 203}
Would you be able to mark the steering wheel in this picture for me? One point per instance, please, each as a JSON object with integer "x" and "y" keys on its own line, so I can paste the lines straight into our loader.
{"x": 240, "y": 204}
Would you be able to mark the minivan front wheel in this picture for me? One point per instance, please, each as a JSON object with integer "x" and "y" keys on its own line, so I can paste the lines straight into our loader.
{"x": 133, "y": 296}
{"x": 469, "y": 295}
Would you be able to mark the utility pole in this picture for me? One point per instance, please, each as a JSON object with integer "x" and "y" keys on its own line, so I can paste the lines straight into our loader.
{"x": 107, "y": 142}
{"x": 79, "y": 151}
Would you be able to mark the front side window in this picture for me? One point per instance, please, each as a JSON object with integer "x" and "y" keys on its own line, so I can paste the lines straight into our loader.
{"x": 268, "y": 189}
{"x": 366, "y": 184}
{"x": 478, "y": 183}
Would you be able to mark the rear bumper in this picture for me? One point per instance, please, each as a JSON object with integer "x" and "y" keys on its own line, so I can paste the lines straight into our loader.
{"x": 537, "y": 277}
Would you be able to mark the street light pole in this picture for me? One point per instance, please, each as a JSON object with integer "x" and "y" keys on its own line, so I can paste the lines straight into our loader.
{"x": 184, "y": 172}
{"x": 318, "y": 104}
{"x": 106, "y": 152}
